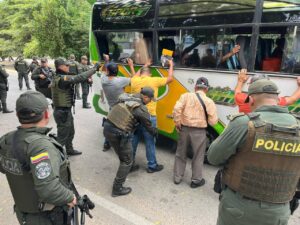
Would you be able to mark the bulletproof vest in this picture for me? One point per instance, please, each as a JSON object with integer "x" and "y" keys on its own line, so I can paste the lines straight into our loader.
{"x": 267, "y": 167}
{"x": 73, "y": 70}
{"x": 19, "y": 176}
{"x": 22, "y": 67}
{"x": 121, "y": 115}
{"x": 61, "y": 97}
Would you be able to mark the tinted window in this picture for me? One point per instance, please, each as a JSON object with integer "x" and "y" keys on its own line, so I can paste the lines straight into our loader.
{"x": 138, "y": 14}
{"x": 208, "y": 48}
{"x": 281, "y": 11}
{"x": 176, "y": 13}
{"x": 123, "y": 45}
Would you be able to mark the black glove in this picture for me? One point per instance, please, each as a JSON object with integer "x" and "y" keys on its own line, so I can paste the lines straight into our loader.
{"x": 97, "y": 66}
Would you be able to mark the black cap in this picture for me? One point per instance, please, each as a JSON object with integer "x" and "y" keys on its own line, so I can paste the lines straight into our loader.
{"x": 202, "y": 82}
{"x": 112, "y": 68}
{"x": 148, "y": 91}
{"x": 60, "y": 61}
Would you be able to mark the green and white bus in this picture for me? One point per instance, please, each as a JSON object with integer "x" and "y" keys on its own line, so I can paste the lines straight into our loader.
{"x": 200, "y": 33}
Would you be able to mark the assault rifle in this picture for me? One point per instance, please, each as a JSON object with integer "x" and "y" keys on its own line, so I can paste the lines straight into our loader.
{"x": 84, "y": 204}
{"x": 48, "y": 74}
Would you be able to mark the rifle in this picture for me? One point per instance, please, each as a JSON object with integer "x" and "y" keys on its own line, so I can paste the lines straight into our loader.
{"x": 84, "y": 204}
{"x": 48, "y": 74}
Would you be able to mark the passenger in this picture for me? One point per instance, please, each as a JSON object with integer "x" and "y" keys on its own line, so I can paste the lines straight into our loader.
{"x": 209, "y": 61}
{"x": 34, "y": 64}
{"x": 137, "y": 83}
{"x": 113, "y": 86}
{"x": 194, "y": 59}
{"x": 224, "y": 58}
{"x": 192, "y": 114}
{"x": 240, "y": 97}
{"x": 260, "y": 155}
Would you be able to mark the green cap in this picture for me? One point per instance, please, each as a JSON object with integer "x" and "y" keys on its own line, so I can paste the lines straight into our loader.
{"x": 30, "y": 104}
{"x": 262, "y": 86}
{"x": 60, "y": 61}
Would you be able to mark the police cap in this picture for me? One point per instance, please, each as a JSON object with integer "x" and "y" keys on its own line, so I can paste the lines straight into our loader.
{"x": 202, "y": 82}
{"x": 31, "y": 105}
{"x": 262, "y": 86}
{"x": 60, "y": 61}
{"x": 44, "y": 60}
{"x": 147, "y": 91}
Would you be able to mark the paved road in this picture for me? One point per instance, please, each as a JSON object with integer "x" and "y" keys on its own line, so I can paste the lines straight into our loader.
{"x": 154, "y": 200}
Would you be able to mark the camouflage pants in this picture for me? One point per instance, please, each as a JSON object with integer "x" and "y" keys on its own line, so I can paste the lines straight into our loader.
{"x": 234, "y": 209}
{"x": 20, "y": 78}
{"x": 65, "y": 127}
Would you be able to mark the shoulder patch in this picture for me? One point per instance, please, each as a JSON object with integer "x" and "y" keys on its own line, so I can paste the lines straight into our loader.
{"x": 233, "y": 117}
{"x": 40, "y": 157}
{"x": 43, "y": 170}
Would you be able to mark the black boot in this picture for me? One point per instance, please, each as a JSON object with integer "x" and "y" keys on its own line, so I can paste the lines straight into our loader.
{"x": 73, "y": 152}
{"x": 5, "y": 110}
{"x": 119, "y": 190}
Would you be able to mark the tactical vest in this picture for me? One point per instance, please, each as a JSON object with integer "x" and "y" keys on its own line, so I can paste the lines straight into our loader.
{"x": 267, "y": 167}
{"x": 61, "y": 97}
{"x": 20, "y": 178}
{"x": 121, "y": 115}
{"x": 73, "y": 70}
{"x": 21, "y": 67}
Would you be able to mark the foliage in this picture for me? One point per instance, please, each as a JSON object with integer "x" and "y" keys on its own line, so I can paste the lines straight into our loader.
{"x": 38, "y": 27}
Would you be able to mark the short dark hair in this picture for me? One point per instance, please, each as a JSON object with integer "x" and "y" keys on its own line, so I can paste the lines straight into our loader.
{"x": 145, "y": 69}
{"x": 112, "y": 69}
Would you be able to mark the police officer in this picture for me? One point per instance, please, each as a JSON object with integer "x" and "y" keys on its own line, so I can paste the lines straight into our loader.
{"x": 261, "y": 157}
{"x": 119, "y": 127}
{"x": 42, "y": 77}
{"x": 63, "y": 99}
{"x": 34, "y": 64}
{"x": 86, "y": 84}
{"x": 3, "y": 90}
{"x": 22, "y": 67}
{"x": 36, "y": 166}
{"x": 74, "y": 70}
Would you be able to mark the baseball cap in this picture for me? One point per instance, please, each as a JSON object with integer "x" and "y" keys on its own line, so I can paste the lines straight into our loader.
{"x": 112, "y": 68}
{"x": 44, "y": 60}
{"x": 202, "y": 82}
{"x": 31, "y": 104}
{"x": 262, "y": 86}
{"x": 256, "y": 77}
{"x": 60, "y": 61}
{"x": 148, "y": 91}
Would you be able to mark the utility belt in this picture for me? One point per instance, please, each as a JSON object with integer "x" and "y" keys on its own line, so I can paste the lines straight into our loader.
{"x": 124, "y": 136}
{"x": 58, "y": 215}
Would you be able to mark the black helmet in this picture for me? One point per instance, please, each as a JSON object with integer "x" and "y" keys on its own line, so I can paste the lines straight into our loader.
{"x": 112, "y": 69}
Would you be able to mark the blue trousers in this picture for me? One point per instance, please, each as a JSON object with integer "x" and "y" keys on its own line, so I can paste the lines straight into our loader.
{"x": 149, "y": 141}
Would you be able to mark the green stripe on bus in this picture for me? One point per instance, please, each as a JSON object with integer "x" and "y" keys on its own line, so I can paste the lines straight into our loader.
{"x": 96, "y": 99}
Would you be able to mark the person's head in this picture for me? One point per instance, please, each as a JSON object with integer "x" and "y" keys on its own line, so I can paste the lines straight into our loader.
{"x": 202, "y": 84}
{"x": 209, "y": 51}
{"x": 84, "y": 60}
{"x": 147, "y": 94}
{"x": 34, "y": 58}
{"x": 61, "y": 64}
{"x": 20, "y": 57}
{"x": 262, "y": 92}
{"x": 145, "y": 70}
{"x": 72, "y": 57}
{"x": 112, "y": 69}
{"x": 32, "y": 109}
{"x": 44, "y": 62}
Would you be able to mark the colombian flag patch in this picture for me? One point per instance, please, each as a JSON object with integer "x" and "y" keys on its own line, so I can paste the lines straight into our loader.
{"x": 40, "y": 157}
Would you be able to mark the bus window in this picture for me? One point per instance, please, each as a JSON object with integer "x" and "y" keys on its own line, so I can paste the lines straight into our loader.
{"x": 208, "y": 48}
{"x": 270, "y": 48}
{"x": 123, "y": 45}
{"x": 281, "y": 11}
{"x": 291, "y": 54}
{"x": 178, "y": 13}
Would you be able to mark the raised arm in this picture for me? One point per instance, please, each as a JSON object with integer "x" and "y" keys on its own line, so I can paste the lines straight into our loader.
{"x": 242, "y": 78}
{"x": 235, "y": 50}
{"x": 295, "y": 96}
{"x": 170, "y": 72}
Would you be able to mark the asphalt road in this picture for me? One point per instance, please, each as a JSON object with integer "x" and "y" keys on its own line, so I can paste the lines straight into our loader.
{"x": 154, "y": 200}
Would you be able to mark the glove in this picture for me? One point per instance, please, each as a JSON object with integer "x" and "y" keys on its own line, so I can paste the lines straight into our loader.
{"x": 97, "y": 66}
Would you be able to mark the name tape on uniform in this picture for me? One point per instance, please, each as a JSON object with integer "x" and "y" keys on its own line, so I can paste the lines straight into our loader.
{"x": 276, "y": 145}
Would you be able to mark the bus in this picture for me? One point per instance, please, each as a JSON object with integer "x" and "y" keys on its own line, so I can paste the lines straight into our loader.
{"x": 266, "y": 31}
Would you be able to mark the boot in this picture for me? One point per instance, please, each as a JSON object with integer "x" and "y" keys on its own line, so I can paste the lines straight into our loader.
{"x": 5, "y": 110}
{"x": 86, "y": 105}
{"x": 119, "y": 190}
{"x": 73, "y": 152}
